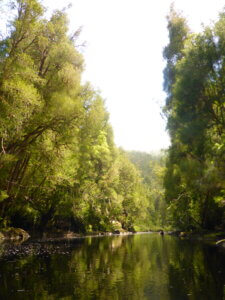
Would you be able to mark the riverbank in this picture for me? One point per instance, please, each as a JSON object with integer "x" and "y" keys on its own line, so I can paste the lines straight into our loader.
{"x": 19, "y": 235}
{"x": 12, "y": 233}
{"x": 13, "y": 244}
{"x": 64, "y": 242}
{"x": 216, "y": 238}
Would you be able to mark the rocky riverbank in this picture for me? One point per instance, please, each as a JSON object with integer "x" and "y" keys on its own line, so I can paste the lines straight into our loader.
{"x": 16, "y": 242}
{"x": 13, "y": 234}
{"x": 18, "y": 234}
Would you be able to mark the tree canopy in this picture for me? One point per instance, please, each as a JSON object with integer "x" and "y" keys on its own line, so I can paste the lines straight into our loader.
{"x": 59, "y": 166}
{"x": 195, "y": 108}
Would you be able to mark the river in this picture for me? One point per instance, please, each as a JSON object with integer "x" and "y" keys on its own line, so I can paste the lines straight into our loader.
{"x": 139, "y": 267}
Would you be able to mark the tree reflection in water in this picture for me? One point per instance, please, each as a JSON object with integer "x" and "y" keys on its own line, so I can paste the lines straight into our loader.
{"x": 145, "y": 266}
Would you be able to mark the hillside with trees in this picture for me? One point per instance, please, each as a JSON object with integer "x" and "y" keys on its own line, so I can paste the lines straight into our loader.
{"x": 152, "y": 168}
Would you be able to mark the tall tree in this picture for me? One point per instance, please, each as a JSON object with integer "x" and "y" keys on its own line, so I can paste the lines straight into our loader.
{"x": 195, "y": 178}
{"x": 41, "y": 98}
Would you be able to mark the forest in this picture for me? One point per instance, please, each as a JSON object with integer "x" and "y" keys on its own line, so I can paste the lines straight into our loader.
{"x": 59, "y": 166}
{"x": 194, "y": 80}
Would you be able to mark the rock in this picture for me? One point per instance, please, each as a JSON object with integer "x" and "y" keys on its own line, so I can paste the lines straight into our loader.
{"x": 183, "y": 234}
{"x": 116, "y": 232}
{"x": 174, "y": 233}
{"x": 71, "y": 234}
{"x": 14, "y": 234}
{"x": 132, "y": 230}
{"x": 116, "y": 226}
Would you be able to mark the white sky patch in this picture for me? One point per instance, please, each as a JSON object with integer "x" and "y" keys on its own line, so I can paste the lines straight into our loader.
{"x": 123, "y": 56}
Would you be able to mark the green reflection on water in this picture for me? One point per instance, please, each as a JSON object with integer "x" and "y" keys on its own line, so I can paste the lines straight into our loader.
{"x": 147, "y": 266}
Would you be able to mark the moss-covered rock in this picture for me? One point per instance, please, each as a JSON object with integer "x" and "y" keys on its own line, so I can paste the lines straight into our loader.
{"x": 14, "y": 234}
{"x": 184, "y": 234}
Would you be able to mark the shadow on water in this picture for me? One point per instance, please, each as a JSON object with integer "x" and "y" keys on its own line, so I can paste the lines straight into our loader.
{"x": 146, "y": 266}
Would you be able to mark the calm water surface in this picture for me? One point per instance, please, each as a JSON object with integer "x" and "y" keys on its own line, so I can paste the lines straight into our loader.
{"x": 145, "y": 266}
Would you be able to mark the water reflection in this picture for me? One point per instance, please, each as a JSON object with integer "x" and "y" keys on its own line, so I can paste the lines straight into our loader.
{"x": 132, "y": 267}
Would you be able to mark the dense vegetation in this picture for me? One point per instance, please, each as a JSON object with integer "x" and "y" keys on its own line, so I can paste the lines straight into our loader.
{"x": 59, "y": 167}
{"x": 152, "y": 168}
{"x": 195, "y": 108}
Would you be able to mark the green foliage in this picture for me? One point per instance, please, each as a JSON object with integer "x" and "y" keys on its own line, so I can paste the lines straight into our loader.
{"x": 3, "y": 196}
{"x": 195, "y": 177}
{"x": 152, "y": 169}
{"x": 59, "y": 167}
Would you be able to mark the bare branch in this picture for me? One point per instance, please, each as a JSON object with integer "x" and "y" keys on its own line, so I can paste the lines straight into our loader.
{"x": 2, "y": 144}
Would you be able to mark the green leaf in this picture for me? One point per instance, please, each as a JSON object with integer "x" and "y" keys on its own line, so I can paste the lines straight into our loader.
{"x": 3, "y": 195}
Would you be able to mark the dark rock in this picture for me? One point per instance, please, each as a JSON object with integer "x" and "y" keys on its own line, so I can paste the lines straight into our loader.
{"x": 131, "y": 229}
{"x": 116, "y": 232}
{"x": 174, "y": 233}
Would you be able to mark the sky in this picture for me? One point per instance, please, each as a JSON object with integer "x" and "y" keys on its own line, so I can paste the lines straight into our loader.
{"x": 123, "y": 58}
